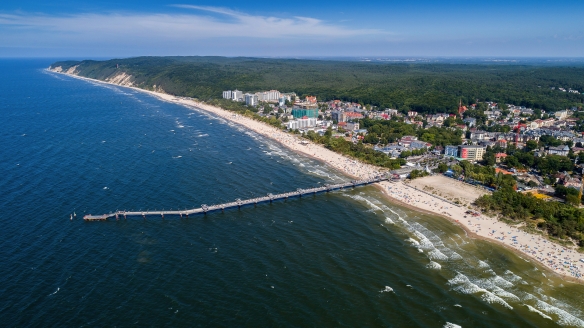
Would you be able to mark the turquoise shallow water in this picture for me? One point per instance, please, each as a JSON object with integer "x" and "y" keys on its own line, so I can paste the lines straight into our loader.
{"x": 347, "y": 258}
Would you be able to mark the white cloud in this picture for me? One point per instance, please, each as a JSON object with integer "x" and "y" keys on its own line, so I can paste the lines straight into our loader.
{"x": 186, "y": 26}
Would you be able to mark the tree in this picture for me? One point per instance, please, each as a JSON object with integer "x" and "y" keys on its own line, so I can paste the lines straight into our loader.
{"x": 512, "y": 161}
{"x": 442, "y": 167}
{"x": 531, "y": 145}
{"x": 329, "y": 132}
{"x": 456, "y": 169}
{"x": 573, "y": 199}
{"x": 417, "y": 174}
{"x": 547, "y": 140}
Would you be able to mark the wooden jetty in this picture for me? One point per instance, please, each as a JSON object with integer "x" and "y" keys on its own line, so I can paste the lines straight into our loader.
{"x": 204, "y": 209}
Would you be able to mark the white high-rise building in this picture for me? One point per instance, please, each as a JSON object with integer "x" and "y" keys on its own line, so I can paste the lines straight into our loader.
{"x": 271, "y": 96}
{"x": 302, "y": 123}
{"x": 251, "y": 99}
{"x": 237, "y": 95}
{"x": 262, "y": 96}
{"x": 227, "y": 94}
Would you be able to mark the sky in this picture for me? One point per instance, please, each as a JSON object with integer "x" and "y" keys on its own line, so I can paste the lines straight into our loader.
{"x": 300, "y": 28}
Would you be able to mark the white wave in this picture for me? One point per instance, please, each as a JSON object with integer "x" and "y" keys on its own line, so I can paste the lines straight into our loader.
{"x": 413, "y": 241}
{"x": 388, "y": 220}
{"x": 463, "y": 285}
{"x": 402, "y": 221}
{"x": 425, "y": 243}
{"x": 455, "y": 256}
{"x": 451, "y": 325}
{"x": 528, "y": 297}
{"x": 367, "y": 201}
{"x": 387, "y": 289}
{"x": 202, "y": 135}
{"x": 431, "y": 236}
{"x": 492, "y": 298}
{"x": 564, "y": 318}
{"x": 469, "y": 288}
{"x": 179, "y": 156}
{"x": 484, "y": 265}
{"x": 458, "y": 305}
{"x": 505, "y": 294}
{"x": 371, "y": 204}
{"x": 394, "y": 212}
{"x": 58, "y": 288}
{"x": 510, "y": 276}
{"x": 437, "y": 255}
{"x": 433, "y": 265}
{"x": 499, "y": 281}
{"x": 532, "y": 309}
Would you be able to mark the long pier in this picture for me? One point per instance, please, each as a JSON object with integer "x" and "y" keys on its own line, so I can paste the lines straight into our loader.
{"x": 204, "y": 209}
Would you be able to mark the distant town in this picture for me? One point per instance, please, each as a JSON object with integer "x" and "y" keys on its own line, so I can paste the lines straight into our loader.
{"x": 543, "y": 152}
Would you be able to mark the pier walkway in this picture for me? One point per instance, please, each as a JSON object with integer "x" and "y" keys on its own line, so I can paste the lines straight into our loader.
{"x": 204, "y": 209}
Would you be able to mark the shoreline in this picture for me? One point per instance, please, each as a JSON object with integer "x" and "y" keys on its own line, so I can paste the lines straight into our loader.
{"x": 535, "y": 247}
{"x": 474, "y": 235}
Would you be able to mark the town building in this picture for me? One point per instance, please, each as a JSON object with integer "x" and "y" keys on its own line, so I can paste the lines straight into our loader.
{"x": 461, "y": 109}
{"x": 499, "y": 157}
{"x": 471, "y": 121}
{"x": 451, "y": 151}
{"x": 560, "y": 150}
{"x": 301, "y": 123}
{"x": 563, "y": 114}
{"x": 237, "y": 95}
{"x": 251, "y": 99}
{"x": 268, "y": 96}
{"x": 301, "y": 112}
{"x": 352, "y": 116}
{"x": 472, "y": 153}
{"x": 572, "y": 182}
{"x": 352, "y": 126}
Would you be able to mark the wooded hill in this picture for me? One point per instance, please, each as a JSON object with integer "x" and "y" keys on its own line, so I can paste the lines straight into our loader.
{"x": 426, "y": 88}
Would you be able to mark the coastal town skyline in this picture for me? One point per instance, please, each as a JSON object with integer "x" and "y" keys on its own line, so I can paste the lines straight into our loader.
{"x": 452, "y": 28}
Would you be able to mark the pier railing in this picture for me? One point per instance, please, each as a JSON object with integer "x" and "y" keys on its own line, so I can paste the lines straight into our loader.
{"x": 204, "y": 209}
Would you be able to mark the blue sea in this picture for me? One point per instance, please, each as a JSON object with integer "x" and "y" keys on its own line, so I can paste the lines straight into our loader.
{"x": 349, "y": 258}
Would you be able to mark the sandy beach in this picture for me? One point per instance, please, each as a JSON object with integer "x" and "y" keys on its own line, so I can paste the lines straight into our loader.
{"x": 560, "y": 260}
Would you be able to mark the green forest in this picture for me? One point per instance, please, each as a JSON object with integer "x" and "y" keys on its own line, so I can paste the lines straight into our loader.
{"x": 426, "y": 88}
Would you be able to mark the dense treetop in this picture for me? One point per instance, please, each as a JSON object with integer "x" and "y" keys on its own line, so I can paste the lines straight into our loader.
{"x": 427, "y": 88}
